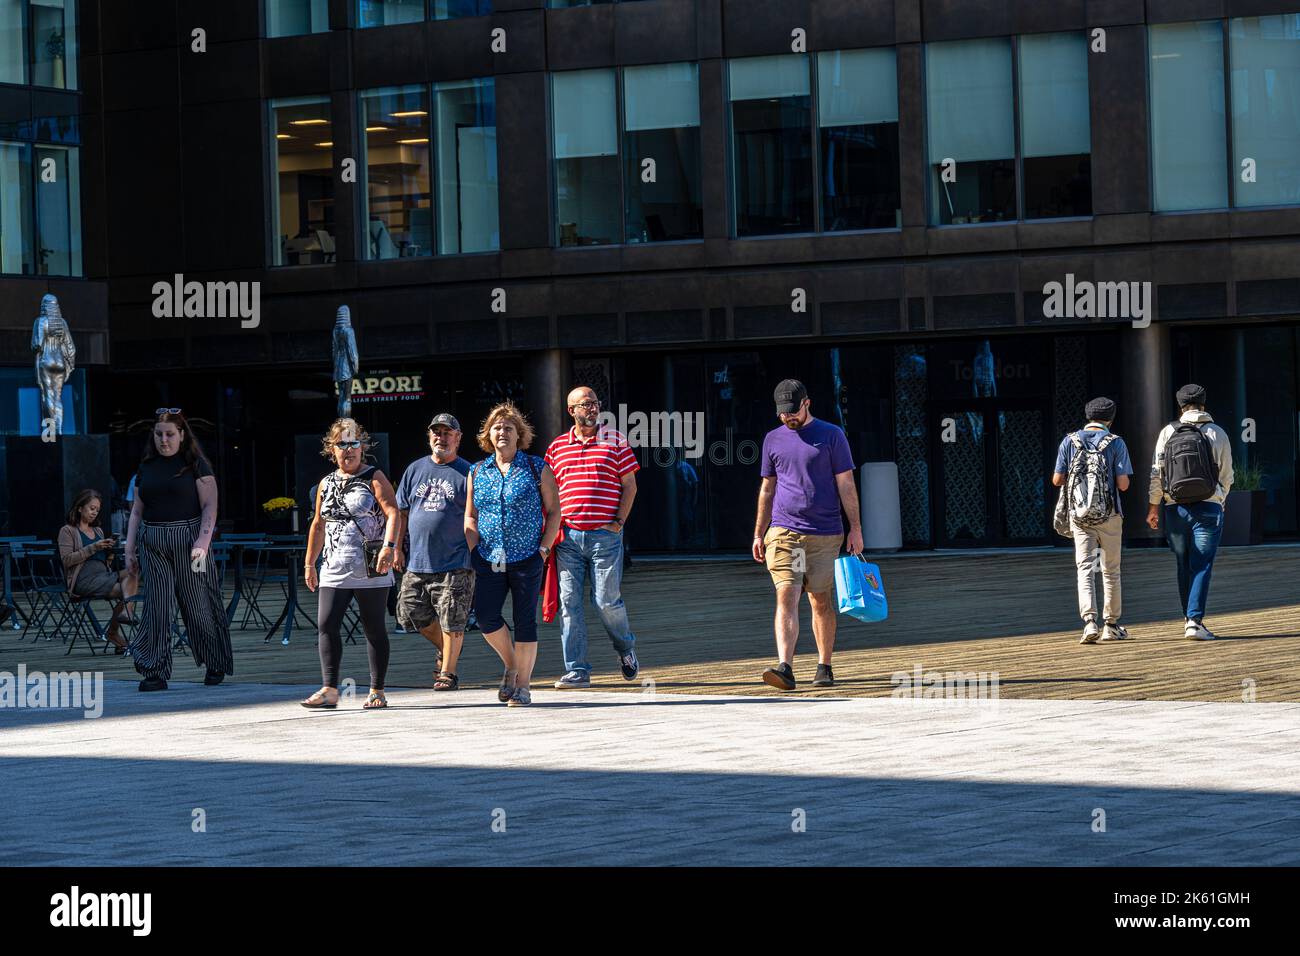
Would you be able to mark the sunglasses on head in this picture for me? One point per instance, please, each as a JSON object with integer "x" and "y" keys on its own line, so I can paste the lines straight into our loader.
{"x": 166, "y": 411}
{"x": 351, "y": 443}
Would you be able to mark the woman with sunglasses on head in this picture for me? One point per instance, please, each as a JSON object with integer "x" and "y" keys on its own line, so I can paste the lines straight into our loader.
{"x": 355, "y": 524}
{"x": 173, "y": 519}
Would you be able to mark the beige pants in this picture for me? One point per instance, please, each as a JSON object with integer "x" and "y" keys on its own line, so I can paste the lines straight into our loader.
{"x": 1108, "y": 539}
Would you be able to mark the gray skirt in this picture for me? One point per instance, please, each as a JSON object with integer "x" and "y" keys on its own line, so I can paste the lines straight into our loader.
{"x": 95, "y": 579}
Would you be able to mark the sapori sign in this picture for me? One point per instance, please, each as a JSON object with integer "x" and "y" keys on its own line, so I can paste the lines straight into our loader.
{"x": 386, "y": 386}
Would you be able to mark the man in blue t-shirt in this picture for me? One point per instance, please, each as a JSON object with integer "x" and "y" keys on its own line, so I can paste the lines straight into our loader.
{"x": 438, "y": 585}
{"x": 807, "y": 472}
{"x": 1097, "y": 533}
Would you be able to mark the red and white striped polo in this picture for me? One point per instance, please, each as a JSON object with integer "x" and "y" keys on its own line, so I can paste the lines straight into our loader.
{"x": 589, "y": 473}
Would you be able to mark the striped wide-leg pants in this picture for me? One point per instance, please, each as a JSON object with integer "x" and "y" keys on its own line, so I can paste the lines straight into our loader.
{"x": 169, "y": 580}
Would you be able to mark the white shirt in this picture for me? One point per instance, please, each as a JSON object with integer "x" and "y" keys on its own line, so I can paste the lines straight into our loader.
{"x": 1220, "y": 446}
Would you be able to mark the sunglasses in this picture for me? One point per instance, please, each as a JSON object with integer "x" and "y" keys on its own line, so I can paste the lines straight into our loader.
{"x": 347, "y": 444}
{"x": 166, "y": 411}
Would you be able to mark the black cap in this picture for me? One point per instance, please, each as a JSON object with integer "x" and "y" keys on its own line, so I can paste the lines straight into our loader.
{"x": 445, "y": 419}
{"x": 1100, "y": 410}
{"x": 1191, "y": 395}
{"x": 789, "y": 395}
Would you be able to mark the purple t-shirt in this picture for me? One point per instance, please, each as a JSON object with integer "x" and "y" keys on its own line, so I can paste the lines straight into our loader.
{"x": 805, "y": 463}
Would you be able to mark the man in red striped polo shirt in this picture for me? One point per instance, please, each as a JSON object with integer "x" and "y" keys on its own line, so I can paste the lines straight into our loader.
{"x": 596, "y": 472}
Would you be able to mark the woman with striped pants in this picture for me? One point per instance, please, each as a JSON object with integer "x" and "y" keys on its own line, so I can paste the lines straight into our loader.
{"x": 173, "y": 518}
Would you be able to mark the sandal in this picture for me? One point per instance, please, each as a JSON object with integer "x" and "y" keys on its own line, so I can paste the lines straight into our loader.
{"x": 507, "y": 688}
{"x": 376, "y": 701}
{"x": 446, "y": 681}
{"x": 320, "y": 701}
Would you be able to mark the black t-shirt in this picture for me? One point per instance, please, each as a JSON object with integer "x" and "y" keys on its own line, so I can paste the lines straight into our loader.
{"x": 166, "y": 495}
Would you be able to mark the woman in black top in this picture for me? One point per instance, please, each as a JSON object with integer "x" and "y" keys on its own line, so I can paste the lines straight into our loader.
{"x": 175, "y": 515}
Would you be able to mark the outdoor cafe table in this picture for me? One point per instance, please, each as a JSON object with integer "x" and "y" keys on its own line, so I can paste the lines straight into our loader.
{"x": 291, "y": 549}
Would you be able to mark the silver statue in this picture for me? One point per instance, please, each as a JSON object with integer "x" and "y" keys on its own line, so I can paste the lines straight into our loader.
{"x": 346, "y": 364}
{"x": 56, "y": 358}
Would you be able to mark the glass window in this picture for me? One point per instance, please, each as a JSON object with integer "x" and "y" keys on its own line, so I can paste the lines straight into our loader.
{"x": 587, "y": 180}
{"x": 54, "y": 43}
{"x": 12, "y": 57}
{"x": 287, "y": 18}
{"x": 968, "y": 90}
{"x": 1188, "y": 136}
{"x": 1055, "y": 129}
{"x": 1265, "y": 57}
{"x": 382, "y": 13}
{"x": 661, "y": 109}
{"x": 771, "y": 124}
{"x": 58, "y": 210}
{"x": 399, "y": 204}
{"x": 857, "y": 116}
{"x": 467, "y": 166}
{"x": 451, "y": 9}
{"x": 303, "y": 154}
{"x": 16, "y": 209}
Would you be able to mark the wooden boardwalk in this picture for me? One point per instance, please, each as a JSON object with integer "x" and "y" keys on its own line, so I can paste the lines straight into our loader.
{"x": 706, "y": 627}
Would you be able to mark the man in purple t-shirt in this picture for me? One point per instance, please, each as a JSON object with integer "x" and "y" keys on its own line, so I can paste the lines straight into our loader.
{"x": 807, "y": 471}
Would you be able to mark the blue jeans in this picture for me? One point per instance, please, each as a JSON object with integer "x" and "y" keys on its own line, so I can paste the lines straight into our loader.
{"x": 601, "y": 553}
{"x": 1193, "y": 532}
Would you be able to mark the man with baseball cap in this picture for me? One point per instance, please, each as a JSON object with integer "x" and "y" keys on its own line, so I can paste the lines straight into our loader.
{"x": 1191, "y": 476}
{"x": 807, "y": 472}
{"x": 1093, "y": 466}
{"x": 438, "y": 585}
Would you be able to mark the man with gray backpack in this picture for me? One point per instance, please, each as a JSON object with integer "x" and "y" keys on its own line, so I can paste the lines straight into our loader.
{"x": 1092, "y": 468}
{"x": 1191, "y": 475}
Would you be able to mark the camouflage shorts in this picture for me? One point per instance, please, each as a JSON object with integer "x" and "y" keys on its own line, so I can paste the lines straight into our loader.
{"x": 443, "y": 596}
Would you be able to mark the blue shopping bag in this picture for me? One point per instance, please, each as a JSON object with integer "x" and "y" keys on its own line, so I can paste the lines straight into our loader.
{"x": 860, "y": 589}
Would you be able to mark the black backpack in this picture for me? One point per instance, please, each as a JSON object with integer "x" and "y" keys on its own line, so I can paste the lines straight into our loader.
{"x": 1189, "y": 474}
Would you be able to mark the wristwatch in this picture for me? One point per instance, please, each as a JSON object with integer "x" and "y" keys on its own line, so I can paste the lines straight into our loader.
{"x": 546, "y": 552}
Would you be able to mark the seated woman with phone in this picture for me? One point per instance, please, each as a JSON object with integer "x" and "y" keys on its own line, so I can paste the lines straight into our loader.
{"x": 87, "y": 556}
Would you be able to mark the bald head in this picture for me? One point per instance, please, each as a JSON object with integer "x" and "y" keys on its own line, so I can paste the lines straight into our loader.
{"x": 584, "y": 407}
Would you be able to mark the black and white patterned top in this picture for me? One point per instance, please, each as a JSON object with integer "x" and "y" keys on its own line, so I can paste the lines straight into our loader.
{"x": 343, "y": 498}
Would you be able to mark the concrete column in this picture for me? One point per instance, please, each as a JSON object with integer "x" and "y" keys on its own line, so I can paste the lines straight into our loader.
{"x": 548, "y": 377}
{"x": 1146, "y": 406}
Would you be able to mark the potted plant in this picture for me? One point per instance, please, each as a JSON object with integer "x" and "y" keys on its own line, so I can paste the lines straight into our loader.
{"x": 1243, "y": 515}
{"x": 279, "y": 512}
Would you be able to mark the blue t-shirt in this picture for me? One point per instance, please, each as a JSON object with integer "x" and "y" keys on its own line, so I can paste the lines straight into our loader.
{"x": 433, "y": 496}
{"x": 510, "y": 521}
{"x": 805, "y": 462}
{"x": 1115, "y": 455}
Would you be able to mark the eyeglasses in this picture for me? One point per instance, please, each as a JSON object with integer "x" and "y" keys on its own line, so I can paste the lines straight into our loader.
{"x": 166, "y": 411}
{"x": 347, "y": 444}
{"x": 587, "y": 405}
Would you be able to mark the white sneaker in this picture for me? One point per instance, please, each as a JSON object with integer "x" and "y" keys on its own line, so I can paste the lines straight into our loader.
{"x": 1197, "y": 632}
{"x": 1090, "y": 633}
{"x": 1112, "y": 632}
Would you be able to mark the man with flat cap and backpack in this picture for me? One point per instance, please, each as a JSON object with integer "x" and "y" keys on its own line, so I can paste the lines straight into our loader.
{"x": 1191, "y": 476}
{"x": 1092, "y": 468}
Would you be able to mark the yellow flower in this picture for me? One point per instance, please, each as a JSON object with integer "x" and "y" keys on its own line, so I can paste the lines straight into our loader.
{"x": 278, "y": 504}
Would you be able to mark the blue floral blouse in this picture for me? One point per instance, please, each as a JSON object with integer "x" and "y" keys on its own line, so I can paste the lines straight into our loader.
{"x": 509, "y": 507}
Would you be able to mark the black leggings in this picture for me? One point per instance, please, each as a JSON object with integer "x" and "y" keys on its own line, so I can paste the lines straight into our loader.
{"x": 331, "y": 606}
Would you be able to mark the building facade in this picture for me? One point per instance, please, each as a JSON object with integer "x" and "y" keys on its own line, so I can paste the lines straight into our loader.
{"x": 680, "y": 202}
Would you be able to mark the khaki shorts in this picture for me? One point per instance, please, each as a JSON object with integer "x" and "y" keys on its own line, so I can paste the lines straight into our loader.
{"x": 444, "y": 596}
{"x": 805, "y": 559}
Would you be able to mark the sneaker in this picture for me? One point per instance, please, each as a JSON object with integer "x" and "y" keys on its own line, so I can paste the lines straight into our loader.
{"x": 1090, "y": 632}
{"x": 153, "y": 683}
{"x": 1112, "y": 632}
{"x": 825, "y": 676}
{"x": 1195, "y": 631}
{"x": 781, "y": 677}
{"x": 522, "y": 697}
{"x": 630, "y": 666}
{"x": 573, "y": 679}
{"x": 213, "y": 678}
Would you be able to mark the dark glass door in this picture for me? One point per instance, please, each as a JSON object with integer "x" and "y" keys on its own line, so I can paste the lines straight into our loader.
{"x": 990, "y": 463}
